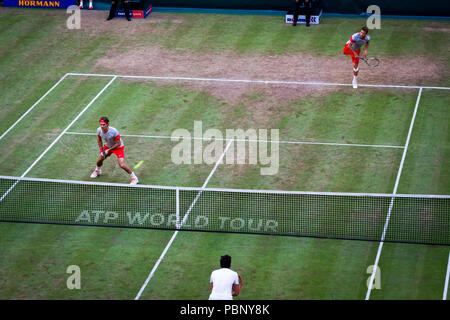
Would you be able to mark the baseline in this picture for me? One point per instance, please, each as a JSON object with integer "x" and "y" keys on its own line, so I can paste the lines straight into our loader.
{"x": 317, "y": 83}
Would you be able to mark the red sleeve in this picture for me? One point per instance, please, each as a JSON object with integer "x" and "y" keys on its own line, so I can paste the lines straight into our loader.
{"x": 99, "y": 136}
{"x": 351, "y": 39}
{"x": 117, "y": 138}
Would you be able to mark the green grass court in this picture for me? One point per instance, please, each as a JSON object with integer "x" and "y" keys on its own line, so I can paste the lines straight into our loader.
{"x": 341, "y": 140}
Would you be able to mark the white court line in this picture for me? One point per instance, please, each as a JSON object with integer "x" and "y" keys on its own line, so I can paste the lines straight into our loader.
{"x": 256, "y": 81}
{"x": 249, "y": 140}
{"x": 444, "y": 296}
{"x": 184, "y": 219}
{"x": 34, "y": 105}
{"x": 380, "y": 247}
{"x": 57, "y": 139}
{"x": 257, "y": 191}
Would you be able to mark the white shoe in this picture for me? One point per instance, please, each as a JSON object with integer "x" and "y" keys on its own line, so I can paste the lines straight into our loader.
{"x": 134, "y": 181}
{"x": 80, "y": 6}
{"x": 355, "y": 84}
{"x": 90, "y": 7}
{"x": 96, "y": 173}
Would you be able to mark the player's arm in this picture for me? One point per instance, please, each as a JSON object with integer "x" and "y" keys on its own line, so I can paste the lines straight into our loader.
{"x": 109, "y": 151}
{"x": 365, "y": 49}
{"x": 235, "y": 291}
{"x": 237, "y": 284}
{"x": 100, "y": 142}
{"x": 350, "y": 46}
{"x": 211, "y": 286}
{"x": 100, "y": 146}
{"x": 115, "y": 145}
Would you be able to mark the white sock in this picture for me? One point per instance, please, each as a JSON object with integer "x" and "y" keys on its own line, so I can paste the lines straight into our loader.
{"x": 81, "y": 3}
{"x": 132, "y": 175}
{"x": 98, "y": 168}
{"x": 90, "y": 3}
{"x": 354, "y": 77}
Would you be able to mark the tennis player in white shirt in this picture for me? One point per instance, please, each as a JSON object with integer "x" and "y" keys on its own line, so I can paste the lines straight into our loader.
{"x": 114, "y": 144}
{"x": 224, "y": 281}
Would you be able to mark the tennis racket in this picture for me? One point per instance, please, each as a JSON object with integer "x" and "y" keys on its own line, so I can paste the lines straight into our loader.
{"x": 371, "y": 62}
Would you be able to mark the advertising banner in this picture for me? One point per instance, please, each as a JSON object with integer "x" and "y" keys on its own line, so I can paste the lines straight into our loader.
{"x": 53, "y": 4}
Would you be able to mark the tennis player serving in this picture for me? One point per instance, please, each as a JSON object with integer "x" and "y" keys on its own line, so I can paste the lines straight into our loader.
{"x": 353, "y": 48}
{"x": 113, "y": 144}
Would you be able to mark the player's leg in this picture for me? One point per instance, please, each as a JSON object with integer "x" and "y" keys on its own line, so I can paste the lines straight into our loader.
{"x": 126, "y": 8}
{"x": 112, "y": 10}
{"x": 98, "y": 169}
{"x": 296, "y": 13}
{"x": 355, "y": 75}
{"x": 90, "y": 5}
{"x": 123, "y": 165}
{"x": 355, "y": 61}
{"x": 355, "y": 70}
{"x": 308, "y": 13}
{"x": 120, "y": 153}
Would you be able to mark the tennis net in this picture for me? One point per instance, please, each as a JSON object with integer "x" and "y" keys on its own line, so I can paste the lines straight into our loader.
{"x": 354, "y": 216}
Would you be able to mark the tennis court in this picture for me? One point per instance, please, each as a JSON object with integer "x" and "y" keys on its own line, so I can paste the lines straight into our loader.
{"x": 384, "y": 139}
{"x": 383, "y": 155}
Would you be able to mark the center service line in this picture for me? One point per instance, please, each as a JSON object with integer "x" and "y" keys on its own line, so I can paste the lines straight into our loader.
{"x": 184, "y": 219}
{"x": 380, "y": 247}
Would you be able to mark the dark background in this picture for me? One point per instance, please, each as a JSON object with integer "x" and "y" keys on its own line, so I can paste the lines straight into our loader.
{"x": 388, "y": 7}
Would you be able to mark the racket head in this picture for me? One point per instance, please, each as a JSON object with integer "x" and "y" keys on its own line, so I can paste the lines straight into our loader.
{"x": 372, "y": 62}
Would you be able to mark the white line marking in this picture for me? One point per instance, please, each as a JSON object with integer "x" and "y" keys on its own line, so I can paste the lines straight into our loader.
{"x": 444, "y": 297}
{"x": 34, "y": 105}
{"x": 251, "y": 140}
{"x": 57, "y": 139}
{"x": 380, "y": 247}
{"x": 255, "y": 81}
{"x": 184, "y": 219}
